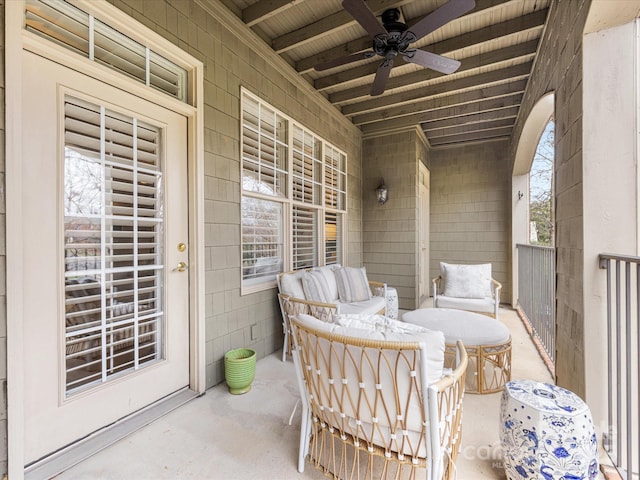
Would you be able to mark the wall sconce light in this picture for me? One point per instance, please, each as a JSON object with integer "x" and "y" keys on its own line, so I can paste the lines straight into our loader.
{"x": 382, "y": 194}
{"x": 520, "y": 195}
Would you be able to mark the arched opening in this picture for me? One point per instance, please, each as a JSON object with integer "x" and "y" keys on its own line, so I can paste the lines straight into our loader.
{"x": 541, "y": 191}
{"x": 533, "y": 226}
{"x": 532, "y": 132}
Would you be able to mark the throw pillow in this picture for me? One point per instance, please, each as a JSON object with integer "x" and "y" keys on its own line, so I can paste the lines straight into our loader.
{"x": 466, "y": 281}
{"x": 315, "y": 287}
{"x": 353, "y": 285}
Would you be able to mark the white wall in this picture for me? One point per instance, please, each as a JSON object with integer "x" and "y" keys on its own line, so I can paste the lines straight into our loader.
{"x": 610, "y": 140}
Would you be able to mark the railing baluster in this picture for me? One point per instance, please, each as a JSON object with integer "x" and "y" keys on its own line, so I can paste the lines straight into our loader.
{"x": 537, "y": 293}
{"x": 622, "y": 358}
{"x": 627, "y": 365}
{"x": 618, "y": 362}
{"x": 637, "y": 349}
{"x": 609, "y": 358}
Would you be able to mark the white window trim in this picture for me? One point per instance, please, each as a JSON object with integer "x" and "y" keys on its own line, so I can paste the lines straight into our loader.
{"x": 17, "y": 40}
{"x": 288, "y": 202}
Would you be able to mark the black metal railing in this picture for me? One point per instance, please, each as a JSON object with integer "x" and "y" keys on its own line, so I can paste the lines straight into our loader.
{"x": 622, "y": 440}
{"x": 537, "y": 293}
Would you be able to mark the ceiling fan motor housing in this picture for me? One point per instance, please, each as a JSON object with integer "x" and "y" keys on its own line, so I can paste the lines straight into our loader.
{"x": 394, "y": 42}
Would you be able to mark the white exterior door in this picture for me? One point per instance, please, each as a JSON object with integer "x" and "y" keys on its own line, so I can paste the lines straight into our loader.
{"x": 425, "y": 281}
{"x": 106, "y": 294}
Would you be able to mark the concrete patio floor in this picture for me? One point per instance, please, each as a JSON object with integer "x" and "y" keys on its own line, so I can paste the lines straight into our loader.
{"x": 227, "y": 437}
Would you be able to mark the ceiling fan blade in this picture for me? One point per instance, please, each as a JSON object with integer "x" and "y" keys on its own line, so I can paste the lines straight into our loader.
{"x": 382, "y": 75}
{"x": 343, "y": 60}
{"x": 432, "y": 61}
{"x": 439, "y": 17}
{"x": 364, "y": 16}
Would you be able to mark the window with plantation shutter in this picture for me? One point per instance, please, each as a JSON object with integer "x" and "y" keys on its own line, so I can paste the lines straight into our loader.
{"x": 113, "y": 231}
{"x": 305, "y": 237}
{"x": 264, "y": 150}
{"x": 293, "y": 191}
{"x": 76, "y": 30}
{"x": 335, "y": 178}
{"x": 306, "y": 171}
{"x": 332, "y": 237}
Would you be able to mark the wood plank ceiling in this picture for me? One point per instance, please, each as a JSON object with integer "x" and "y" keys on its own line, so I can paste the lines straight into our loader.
{"x": 496, "y": 43}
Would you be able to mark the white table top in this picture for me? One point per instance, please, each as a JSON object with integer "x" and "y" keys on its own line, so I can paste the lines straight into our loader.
{"x": 471, "y": 328}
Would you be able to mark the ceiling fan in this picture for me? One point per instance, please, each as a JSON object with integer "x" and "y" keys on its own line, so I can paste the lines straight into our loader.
{"x": 392, "y": 38}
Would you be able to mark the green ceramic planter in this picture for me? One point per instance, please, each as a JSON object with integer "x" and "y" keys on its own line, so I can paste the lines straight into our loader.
{"x": 240, "y": 369}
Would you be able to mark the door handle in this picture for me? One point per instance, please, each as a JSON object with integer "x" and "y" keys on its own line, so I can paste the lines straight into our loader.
{"x": 181, "y": 267}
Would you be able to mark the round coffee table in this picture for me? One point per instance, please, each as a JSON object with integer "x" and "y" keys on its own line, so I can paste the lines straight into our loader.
{"x": 487, "y": 341}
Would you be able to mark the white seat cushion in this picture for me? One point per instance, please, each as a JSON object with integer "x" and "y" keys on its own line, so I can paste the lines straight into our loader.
{"x": 367, "y": 307}
{"x": 485, "y": 305}
{"x": 472, "y": 328}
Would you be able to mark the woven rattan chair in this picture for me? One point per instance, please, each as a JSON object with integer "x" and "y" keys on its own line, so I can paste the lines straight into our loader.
{"x": 368, "y": 411}
{"x": 292, "y": 305}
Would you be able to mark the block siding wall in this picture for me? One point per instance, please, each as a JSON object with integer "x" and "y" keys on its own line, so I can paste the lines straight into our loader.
{"x": 471, "y": 208}
{"x": 558, "y": 68}
{"x": 3, "y": 270}
{"x": 390, "y": 231}
{"x": 230, "y": 62}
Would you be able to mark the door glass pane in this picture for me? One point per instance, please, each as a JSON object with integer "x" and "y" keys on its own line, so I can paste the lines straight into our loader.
{"x": 113, "y": 231}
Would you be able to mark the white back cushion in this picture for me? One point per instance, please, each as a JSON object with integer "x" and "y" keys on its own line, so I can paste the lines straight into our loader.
{"x": 329, "y": 276}
{"x": 466, "y": 281}
{"x": 291, "y": 284}
{"x": 353, "y": 285}
{"x": 315, "y": 287}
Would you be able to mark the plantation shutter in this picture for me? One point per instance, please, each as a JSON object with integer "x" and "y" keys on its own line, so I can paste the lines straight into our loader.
{"x": 335, "y": 198}
{"x": 307, "y": 167}
{"x": 332, "y": 237}
{"x": 335, "y": 179}
{"x": 113, "y": 231}
{"x": 264, "y": 150}
{"x": 305, "y": 237}
{"x": 74, "y": 29}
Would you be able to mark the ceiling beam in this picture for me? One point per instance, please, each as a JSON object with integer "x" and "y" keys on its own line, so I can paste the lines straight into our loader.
{"x": 522, "y": 23}
{"x": 265, "y": 9}
{"x": 471, "y": 118}
{"x": 421, "y": 108}
{"x": 524, "y": 51}
{"x": 500, "y": 75}
{"x": 474, "y": 127}
{"x": 327, "y": 25}
{"x": 494, "y": 134}
{"x": 342, "y": 19}
{"x": 487, "y": 105}
{"x": 474, "y": 115}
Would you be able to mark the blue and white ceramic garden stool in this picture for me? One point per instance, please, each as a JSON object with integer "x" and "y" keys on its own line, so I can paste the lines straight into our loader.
{"x": 547, "y": 433}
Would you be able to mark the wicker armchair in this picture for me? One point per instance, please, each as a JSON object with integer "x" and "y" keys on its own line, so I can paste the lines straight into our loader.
{"x": 368, "y": 411}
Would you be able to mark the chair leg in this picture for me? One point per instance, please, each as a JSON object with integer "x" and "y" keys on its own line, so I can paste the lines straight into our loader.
{"x": 285, "y": 345}
{"x": 305, "y": 430}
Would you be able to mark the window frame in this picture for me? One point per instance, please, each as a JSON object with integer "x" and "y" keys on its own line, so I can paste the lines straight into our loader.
{"x": 292, "y": 197}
